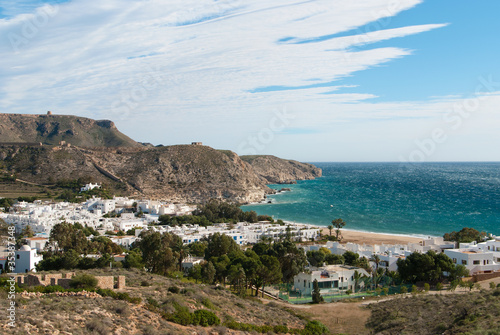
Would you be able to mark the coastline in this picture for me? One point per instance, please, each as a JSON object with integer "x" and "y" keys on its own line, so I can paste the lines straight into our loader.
{"x": 369, "y": 238}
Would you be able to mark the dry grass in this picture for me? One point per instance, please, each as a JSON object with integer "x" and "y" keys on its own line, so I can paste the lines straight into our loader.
{"x": 78, "y": 315}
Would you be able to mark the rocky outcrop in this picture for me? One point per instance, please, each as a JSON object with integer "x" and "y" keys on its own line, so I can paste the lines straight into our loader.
{"x": 281, "y": 171}
{"x": 52, "y": 129}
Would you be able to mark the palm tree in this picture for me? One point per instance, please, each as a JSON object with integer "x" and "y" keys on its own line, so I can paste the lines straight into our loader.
{"x": 338, "y": 223}
{"x": 182, "y": 251}
{"x": 330, "y": 228}
{"x": 357, "y": 277}
{"x": 375, "y": 259}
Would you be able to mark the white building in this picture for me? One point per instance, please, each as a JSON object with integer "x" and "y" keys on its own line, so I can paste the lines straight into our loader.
{"x": 478, "y": 258}
{"x": 89, "y": 187}
{"x": 124, "y": 241}
{"x": 331, "y": 279}
{"x": 37, "y": 243}
{"x": 26, "y": 259}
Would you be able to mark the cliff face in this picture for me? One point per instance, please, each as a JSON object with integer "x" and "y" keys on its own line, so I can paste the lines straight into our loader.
{"x": 281, "y": 171}
{"x": 51, "y": 129}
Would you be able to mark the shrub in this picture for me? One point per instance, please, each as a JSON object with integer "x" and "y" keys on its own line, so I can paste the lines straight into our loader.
{"x": 181, "y": 316}
{"x": 84, "y": 281}
{"x": 280, "y": 329}
{"x": 174, "y": 289}
{"x": 205, "y": 318}
{"x": 315, "y": 328}
{"x": 95, "y": 325}
{"x": 123, "y": 310}
{"x": 52, "y": 289}
{"x": 208, "y": 304}
{"x": 153, "y": 302}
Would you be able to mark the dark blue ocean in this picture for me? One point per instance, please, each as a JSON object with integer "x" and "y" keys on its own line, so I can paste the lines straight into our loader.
{"x": 411, "y": 199}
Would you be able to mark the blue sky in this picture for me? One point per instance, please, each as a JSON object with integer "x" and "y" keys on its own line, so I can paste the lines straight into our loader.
{"x": 320, "y": 80}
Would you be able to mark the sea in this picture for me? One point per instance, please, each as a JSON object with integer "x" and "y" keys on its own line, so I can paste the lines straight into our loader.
{"x": 418, "y": 199}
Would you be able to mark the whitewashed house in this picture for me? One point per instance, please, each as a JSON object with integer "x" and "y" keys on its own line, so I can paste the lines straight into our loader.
{"x": 37, "y": 243}
{"x": 331, "y": 279}
{"x": 26, "y": 259}
{"x": 475, "y": 260}
{"x": 89, "y": 187}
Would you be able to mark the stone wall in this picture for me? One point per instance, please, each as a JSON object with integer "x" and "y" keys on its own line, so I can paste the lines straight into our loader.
{"x": 63, "y": 279}
{"x": 106, "y": 282}
{"x": 485, "y": 276}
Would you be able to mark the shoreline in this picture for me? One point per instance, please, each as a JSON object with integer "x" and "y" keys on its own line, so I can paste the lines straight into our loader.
{"x": 369, "y": 238}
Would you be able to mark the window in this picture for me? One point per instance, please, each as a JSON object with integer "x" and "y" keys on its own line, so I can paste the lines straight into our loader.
{"x": 325, "y": 284}
{"x": 455, "y": 260}
{"x": 476, "y": 262}
{"x": 464, "y": 262}
{"x": 18, "y": 256}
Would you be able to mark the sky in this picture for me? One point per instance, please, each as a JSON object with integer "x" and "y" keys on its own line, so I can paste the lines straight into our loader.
{"x": 311, "y": 80}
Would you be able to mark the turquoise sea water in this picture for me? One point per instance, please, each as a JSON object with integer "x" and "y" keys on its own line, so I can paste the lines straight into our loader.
{"x": 413, "y": 199}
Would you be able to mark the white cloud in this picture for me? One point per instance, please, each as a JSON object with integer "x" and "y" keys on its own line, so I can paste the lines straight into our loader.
{"x": 192, "y": 65}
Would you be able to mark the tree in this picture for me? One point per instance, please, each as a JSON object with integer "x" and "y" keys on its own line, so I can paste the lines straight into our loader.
{"x": 315, "y": 258}
{"x": 338, "y": 224}
{"x": 292, "y": 259}
{"x": 350, "y": 258}
{"x": 316, "y": 294}
{"x": 197, "y": 249}
{"x": 330, "y": 228}
{"x": 356, "y": 277}
{"x": 334, "y": 259}
{"x": 269, "y": 272}
{"x": 157, "y": 254}
{"x": 66, "y": 237}
{"x": 196, "y": 272}
{"x": 424, "y": 267}
{"x": 181, "y": 250}
{"x": 466, "y": 235}
{"x": 134, "y": 259}
{"x": 27, "y": 232}
{"x": 236, "y": 276}
{"x": 458, "y": 272}
{"x": 70, "y": 259}
{"x": 375, "y": 259}
{"x": 208, "y": 273}
{"x": 218, "y": 245}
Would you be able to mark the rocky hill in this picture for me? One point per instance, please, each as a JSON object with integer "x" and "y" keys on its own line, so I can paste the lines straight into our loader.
{"x": 281, "y": 171}
{"x": 51, "y": 129}
{"x": 188, "y": 173}
{"x": 100, "y": 153}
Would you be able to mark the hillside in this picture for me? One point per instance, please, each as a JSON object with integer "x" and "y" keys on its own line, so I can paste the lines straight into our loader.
{"x": 469, "y": 313}
{"x": 281, "y": 171}
{"x": 187, "y": 173}
{"x": 100, "y": 153}
{"x": 51, "y": 129}
{"x": 52, "y": 314}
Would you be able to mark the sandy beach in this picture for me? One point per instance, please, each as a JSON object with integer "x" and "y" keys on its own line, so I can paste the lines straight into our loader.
{"x": 373, "y": 238}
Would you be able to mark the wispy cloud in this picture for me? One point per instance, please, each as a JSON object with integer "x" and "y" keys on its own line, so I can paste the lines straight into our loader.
{"x": 212, "y": 64}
